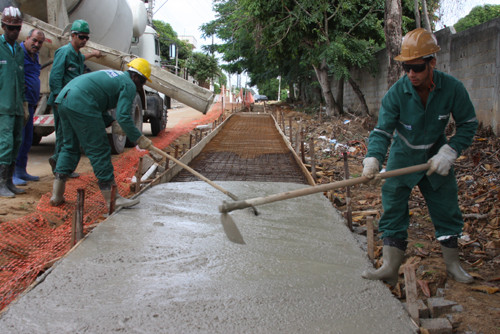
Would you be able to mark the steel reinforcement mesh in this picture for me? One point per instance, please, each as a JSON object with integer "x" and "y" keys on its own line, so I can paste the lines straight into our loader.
{"x": 249, "y": 147}
{"x": 31, "y": 244}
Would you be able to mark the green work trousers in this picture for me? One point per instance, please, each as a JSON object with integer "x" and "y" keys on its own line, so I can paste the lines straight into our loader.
{"x": 442, "y": 203}
{"x": 59, "y": 132}
{"x": 90, "y": 134}
{"x": 11, "y": 136}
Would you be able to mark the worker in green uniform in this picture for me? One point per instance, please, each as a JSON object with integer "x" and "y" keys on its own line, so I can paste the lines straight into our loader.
{"x": 13, "y": 105}
{"x": 68, "y": 64}
{"x": 413, "y": 116}
{"x": 83, "y": 106}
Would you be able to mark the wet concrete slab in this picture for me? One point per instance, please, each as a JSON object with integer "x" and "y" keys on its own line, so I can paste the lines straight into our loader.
{"x": 166, "y": 266}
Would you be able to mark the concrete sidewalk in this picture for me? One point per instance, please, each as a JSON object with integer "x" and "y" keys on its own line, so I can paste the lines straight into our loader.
{"x": 166, "y": 266}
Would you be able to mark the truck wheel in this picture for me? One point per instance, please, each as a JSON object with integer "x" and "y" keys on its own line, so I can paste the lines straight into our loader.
{"x": 137, "y": 117}
{"x": 36, "y": 139}
{"x": 158, "y": 125}
{"x": 117, "y": 142}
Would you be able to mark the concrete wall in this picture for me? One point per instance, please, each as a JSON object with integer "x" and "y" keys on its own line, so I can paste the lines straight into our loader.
{"x": 472, "y": 56}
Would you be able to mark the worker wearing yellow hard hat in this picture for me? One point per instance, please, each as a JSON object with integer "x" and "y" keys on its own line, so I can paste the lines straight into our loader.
{"x": 83, "y": 105}
{"x": 412, "y": 120}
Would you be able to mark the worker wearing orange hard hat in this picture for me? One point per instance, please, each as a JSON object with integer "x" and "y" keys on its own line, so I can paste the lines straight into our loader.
{"x": 83, "y": 106}
{"x": 412, "y": 120}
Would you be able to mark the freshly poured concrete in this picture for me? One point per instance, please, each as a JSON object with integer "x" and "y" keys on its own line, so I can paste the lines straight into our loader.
{"x": 166, "y": 266}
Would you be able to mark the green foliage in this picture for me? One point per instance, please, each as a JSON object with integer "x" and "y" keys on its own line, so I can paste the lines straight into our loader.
{"x": 269, "y": 88}
{"x": 168, "y": 36}
{"x": 478, "y": 15}
{"x": 203, "y": 67}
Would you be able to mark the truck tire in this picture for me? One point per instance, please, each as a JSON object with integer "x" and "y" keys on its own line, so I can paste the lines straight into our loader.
{"x": 159, "y": 125}
{"x": 36, "y": 139}
{"x": 137, "y": 117}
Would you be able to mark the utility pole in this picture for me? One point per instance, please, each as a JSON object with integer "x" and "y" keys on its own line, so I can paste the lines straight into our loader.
{"x": 279, "y": 88}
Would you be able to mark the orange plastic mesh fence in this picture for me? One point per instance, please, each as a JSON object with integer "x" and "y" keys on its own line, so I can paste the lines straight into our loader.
{"x": 31, "y": 244}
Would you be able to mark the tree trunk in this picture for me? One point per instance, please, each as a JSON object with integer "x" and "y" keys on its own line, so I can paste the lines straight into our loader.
{"x": 361, "y": 97}
{"x": 417, "y": 13}
{"x": 427, "y": 23}
{"x": 326, "y": 88}
{"x": 340, "y": 96}
{"x": 393, "y": 37}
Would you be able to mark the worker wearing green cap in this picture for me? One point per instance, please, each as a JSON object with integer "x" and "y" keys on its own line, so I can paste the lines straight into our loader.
{"x": 68, "y": 64}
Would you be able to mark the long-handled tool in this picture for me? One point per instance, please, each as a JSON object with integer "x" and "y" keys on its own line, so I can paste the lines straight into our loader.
{"x": 230, "y": 227}
{"x": 228, "y": 207}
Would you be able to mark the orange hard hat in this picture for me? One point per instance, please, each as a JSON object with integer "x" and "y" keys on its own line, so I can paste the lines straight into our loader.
{"x": 12, "y": 16}
{"x": 416, "y": 44}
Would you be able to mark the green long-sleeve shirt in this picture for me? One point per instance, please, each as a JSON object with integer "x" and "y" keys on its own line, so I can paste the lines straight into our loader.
{"x": 11, "y": 79}
{"x": 67, "y": 65}
{"x": 417, "y": 131}
{"x": 93, "y": 94}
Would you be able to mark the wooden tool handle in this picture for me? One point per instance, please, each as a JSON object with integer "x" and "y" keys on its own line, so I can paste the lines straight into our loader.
{"x": 230, "y": 206}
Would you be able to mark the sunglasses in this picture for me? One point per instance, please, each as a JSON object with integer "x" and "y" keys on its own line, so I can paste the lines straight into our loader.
{"x": 83, "y": 37}
{"x": 417, "y": 68}
{"x": 12, "y": 28}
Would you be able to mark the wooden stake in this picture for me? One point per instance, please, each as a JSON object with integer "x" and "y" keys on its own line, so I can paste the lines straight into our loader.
{"x": 138, "y": 175}
{"x": 77, "y": 224}
{"x": 176, "y": 154}
{"x": 313, "y": 159}
{"x": 320, "y": 117}
{"x": 348, "y": 192}
{"x": 370, "y": 238}
{"x": 190, "y": 140}
{"x": 302, "y": 150}
{"x": 283, "y": 122}
{"x": 112, "y": 201}
{"x": 411, "y": 292}
{"x": 291, "y": 132}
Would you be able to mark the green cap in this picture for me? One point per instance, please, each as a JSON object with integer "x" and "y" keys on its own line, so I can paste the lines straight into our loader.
{"x": 80, "y": 26}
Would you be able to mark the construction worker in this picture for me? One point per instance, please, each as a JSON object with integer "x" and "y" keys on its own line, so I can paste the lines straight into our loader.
{"x": 83, "y": 107}
{"x": 68, "y": 64}
{"x": 413, "y": 116}
{"x": 31, "y": 46}
{"x": 13, "y": 106}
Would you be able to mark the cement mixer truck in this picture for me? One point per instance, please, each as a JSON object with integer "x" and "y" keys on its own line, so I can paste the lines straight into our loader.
{"x": 121, "y": 30}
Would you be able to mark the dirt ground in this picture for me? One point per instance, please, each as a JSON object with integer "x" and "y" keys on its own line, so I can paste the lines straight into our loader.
{"x": 478, "y": 172}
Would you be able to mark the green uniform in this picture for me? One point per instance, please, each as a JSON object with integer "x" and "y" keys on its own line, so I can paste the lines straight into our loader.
{"x": 68, "y": 64}
{"x": 417, "y": 133}
{"x": 83, "y": 106}
{"x": 11, "y": 101}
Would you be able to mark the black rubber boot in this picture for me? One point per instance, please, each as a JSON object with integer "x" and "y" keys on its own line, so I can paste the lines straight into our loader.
{"x": 120, "y": 202}
{"x": 4, "y": 190}
{"x": 393, "y": 255}
{"x": 58, "y": 190}
{"x": 449, "y": 248}
{"x": 9, "y": 182}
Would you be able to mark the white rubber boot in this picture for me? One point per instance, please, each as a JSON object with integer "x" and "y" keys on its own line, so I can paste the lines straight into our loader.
{"x": 453, "y": 267}
{"x": 393, "y": 257}
{"x": 120, "y": 202}
{"x": 58, "y": 190}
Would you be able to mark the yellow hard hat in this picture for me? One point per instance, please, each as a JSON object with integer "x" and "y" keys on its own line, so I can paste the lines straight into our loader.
{"x": 416, "y": 44}
{"x": 141, "y": 66}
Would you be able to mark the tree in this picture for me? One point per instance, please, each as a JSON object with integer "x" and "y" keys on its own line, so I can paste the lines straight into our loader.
{"x": 273, "y": 37}
{"x": 478, "y": 15}
{"x": 393, "y": 37}
{"x": 168, "y": 36}
{"x": 203, "y": 67}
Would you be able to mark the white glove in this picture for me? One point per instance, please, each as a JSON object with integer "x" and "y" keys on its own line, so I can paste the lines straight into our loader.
{"x": 117, "y": 129}
{"x": 144, "y": 142}
{"x": 26, "y": 112}
{"x": 442, "y": 161}
{"x": 370, "y": 167}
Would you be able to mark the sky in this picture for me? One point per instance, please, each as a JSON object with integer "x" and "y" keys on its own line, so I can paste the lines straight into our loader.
{"x": 186, "y": 16}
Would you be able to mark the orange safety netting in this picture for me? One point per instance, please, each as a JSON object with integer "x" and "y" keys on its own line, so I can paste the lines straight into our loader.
{"x": 31, "y": 244}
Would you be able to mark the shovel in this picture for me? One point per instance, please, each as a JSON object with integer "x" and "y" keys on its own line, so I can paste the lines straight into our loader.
{"x": 228, "y": 207}
{"x": 230, "y": 227}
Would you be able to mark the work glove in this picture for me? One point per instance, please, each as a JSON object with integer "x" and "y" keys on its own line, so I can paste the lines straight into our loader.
{"x": 442, "y": 161}
{"x": 117, "y": 129}
{"x": 144, "y": 143}
{"x": 370, "y": 169}
{"x": 26, "y": 112}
